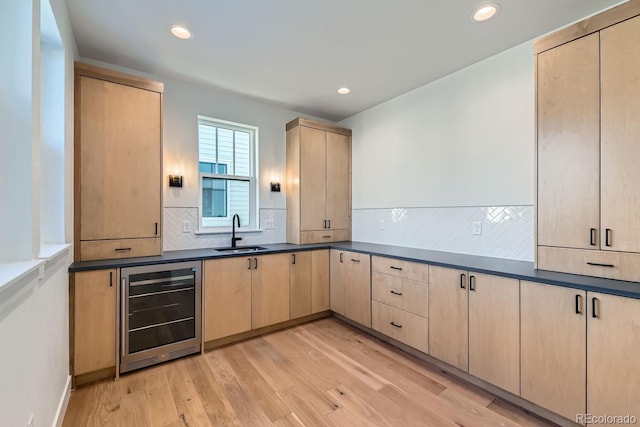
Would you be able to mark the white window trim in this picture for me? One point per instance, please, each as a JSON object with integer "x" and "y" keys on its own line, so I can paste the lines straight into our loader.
{"x": 254, "y": 181}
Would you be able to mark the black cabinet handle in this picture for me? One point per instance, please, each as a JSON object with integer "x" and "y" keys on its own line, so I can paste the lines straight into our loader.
{"x": 592, "y": 237}
{"x": 472, "y": 283}
{"x": 597, "y": 264}
{"x": 396, "y": 268}
{"x": 110, "y": 278}
{"x": 395, "y": 293}
{"x": 341, "y": 257}
{"x": 156, "y": 228}
{"x": 607, "y": 237}
{"x": 255, "y": 260}
{"x": 355, "y": 260}
{"x": 578, "y": 304}
{"x": 293, "y": 258}
{"x": 123, "y": 249}
{"x": 249, "y": 259}
{"x": 463, "y": 281}
{"x": 329, "y": 224}
{"x": 594, "y": 314}
{"x": 392, "y": 323}
{"x": 327, "y": 237}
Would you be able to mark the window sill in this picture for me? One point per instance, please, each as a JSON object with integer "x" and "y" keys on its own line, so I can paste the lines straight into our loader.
{"x": 228, "y": 231}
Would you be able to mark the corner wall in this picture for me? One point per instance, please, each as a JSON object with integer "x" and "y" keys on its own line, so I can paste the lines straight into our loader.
{"x": 456, "y": 151}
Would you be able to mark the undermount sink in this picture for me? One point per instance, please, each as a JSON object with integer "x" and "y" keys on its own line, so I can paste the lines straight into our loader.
{"x": 241, "y": 249}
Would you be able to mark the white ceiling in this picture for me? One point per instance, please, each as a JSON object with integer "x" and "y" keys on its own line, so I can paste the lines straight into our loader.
{"x": 297, "y": 53}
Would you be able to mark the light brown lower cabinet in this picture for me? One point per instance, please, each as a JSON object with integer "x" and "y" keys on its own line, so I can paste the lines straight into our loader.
{"x": 613, "y": 356}
{"x": 554, "y": 347}
{"x": 270, "y": 283}
{"x": 94, "y": 320}
{"x": 400, "y": 325}
{"x": 351, "y": 285}
{"x": 309, "y": 282}
{"x": 227, "y": 297}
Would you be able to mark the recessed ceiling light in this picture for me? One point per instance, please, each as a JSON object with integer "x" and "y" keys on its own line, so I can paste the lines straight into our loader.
{"x": 344, "y": 91}
{"x": 485, "y": 12}
{"x": 181, "y": 32}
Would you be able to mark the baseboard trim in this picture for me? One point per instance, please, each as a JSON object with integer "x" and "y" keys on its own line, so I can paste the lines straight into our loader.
{"x": 64, "y": 403}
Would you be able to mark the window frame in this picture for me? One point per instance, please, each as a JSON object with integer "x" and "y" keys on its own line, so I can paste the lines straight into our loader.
{"x": 252, "y": 179}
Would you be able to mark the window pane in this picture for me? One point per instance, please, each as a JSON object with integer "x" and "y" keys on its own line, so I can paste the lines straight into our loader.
{"x": 236, "y": 201}
{"x": 225, "y": 148}
{"x": 214, "y": 197}
{"x": 242, "y": 154}
{"x": 204, "y": 167}
{"x": 207, "y": 140}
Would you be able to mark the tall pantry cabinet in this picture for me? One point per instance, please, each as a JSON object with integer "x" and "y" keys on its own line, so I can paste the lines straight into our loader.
{"x": 588, "y": 150}
{"x": 118, "y": 158}
{"x": 318, "y": 182}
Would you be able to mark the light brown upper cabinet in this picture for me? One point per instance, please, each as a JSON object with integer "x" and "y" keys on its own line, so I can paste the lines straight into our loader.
{"x": 118, "y": 157}
{"x": 318, "y": 182}
{"x": 588, "y": 102}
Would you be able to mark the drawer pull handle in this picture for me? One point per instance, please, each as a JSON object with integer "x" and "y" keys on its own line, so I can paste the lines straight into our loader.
{"x": 607, "y": 237}
{"x": 592, "y": 237}
{"x": 463, "y": 281}
{"x": 396, "y": 293}
{"x": 326, "y": 237}
{"x": 123, "y": 249}
{"x": 594, "y": 313}
{"x": 392, "y": 323}
{"x": 578, "y": 304}
{"x": 355, "y": 260}
{"x": 396, "y": 268}
{"x": 597, "y": 264}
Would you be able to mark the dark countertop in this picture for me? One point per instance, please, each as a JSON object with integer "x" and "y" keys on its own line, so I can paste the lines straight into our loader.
{"x": 521, "y": 270}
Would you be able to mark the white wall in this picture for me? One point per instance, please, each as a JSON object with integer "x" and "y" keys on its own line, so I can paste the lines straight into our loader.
{"x": 456, "y": 151}
{"x": 463, "y": 140}
{"x": 34, "y": 325}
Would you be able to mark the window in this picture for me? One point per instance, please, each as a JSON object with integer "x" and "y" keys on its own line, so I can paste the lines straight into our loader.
{"x": 227, "y": 168}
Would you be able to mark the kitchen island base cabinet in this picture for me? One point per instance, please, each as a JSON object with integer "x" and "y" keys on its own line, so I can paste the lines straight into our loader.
{"x": 94, "y": 295}
{"x": 613, "y": 364}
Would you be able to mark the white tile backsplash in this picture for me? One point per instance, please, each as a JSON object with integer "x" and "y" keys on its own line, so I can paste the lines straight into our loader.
{"x": 175, "y": 239}
{"x": 507, "y": 231}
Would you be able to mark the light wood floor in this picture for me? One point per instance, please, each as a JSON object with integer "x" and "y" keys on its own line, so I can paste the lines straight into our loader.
{"x": 317, "y": 374}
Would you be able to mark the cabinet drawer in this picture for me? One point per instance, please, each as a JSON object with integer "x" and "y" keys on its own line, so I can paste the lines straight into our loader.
{"x": 400, "y": 325}
{"x": 124, "y": 248}
{"x": 617, "y": 265}
{"x": 323, "y": 236}
{"x": 396, "y": 267}
{"x": 405, "y": 294}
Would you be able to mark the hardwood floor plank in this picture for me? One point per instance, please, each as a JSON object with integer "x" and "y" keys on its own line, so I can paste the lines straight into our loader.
{"x": 324, "y": 373}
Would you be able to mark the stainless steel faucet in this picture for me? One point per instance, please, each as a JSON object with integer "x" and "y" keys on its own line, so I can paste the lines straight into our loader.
{"x": 234, "y": 239}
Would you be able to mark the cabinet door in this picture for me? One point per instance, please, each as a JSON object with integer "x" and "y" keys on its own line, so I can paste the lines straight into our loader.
{"x": 336, "y": 292}
{"x": 554, "y": 347}
{"x": 613, "y": 345}
{"x": 338, "y": 178}
{"x": 357, "y": 287}
{"x": 227, "y": 297}
{"x": 94, "y": 321}
{"x": 620, "y": 50}
{"x": 494, "y": 330}
{"x": 120, "y": 161}
{"x": 319, "y": 281}
{"x": 568, "y": 159}
{"x": 300, "y": 284}
{"x": 313, "y": 180}
{"x": 270, "y": 284}
{"x": 449, "y": 316}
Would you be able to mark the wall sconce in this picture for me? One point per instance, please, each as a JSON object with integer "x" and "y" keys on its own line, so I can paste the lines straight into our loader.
{"x": 175, "y": 180}
{"x": 275, "y": 184}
